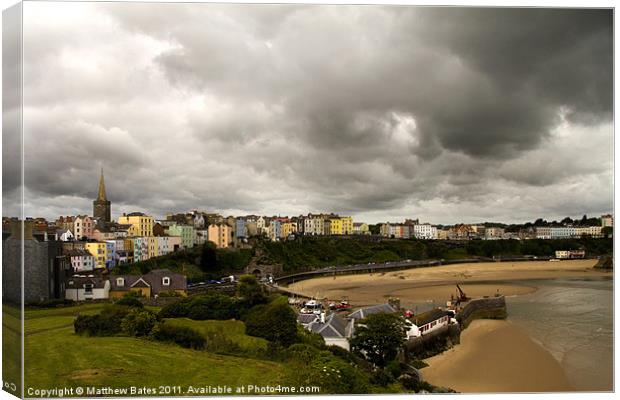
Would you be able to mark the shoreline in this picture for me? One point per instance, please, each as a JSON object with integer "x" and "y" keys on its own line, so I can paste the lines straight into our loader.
{"x": 496, "y": 356}
{"x": 436, "y": 284}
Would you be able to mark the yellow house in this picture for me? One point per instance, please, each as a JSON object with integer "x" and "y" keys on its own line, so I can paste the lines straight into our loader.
{"x": 141, "y": 224}
{"x": 98, "y": 250}
{"x": 335, "y": 227}
{"x": 288, "y": 228}
{"x": 122, "y": 285}
{"x": 347, "y": 225}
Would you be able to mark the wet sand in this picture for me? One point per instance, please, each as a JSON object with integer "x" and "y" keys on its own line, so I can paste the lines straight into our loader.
{"x": 438, "y": 283}
{"x": 496, "y": 356}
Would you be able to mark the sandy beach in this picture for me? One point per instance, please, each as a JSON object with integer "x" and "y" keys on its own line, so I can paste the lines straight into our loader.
{"x": 496, "y": 356}
{"x": 436, "y": 284}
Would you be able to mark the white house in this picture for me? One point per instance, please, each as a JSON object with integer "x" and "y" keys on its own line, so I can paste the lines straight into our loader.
{"x": 428, "y": 322}
{"x": 334, "y": 329}
{"x": 425, "y": 231}
{"x": 65, "y": 235}
{"x": 87, "y": 287}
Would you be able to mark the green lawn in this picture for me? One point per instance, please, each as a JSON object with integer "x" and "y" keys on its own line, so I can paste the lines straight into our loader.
{"x": 56, "y": 356}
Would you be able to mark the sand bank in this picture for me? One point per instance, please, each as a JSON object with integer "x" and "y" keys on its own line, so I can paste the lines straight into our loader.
{"x": 437, "y": 283}
{"x": 496, "y": 356}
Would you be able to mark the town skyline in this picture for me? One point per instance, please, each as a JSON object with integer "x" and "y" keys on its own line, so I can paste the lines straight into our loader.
{"x": 222, "y": 109}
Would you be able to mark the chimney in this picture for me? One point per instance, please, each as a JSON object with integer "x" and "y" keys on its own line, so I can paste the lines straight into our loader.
{"x": 16, "y": 229}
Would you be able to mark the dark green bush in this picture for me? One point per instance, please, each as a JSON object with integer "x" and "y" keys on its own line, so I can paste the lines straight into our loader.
{"x": 138, "y": 322}
{"x": 181, "y": 335}
{"x": 210, "y": 306}
{"x": 130, "y": 301}
{"x": 381, "y": 378}
{"x": 170, "y": 293}
{"x": 178, "y": 309}
{"x": 106, "y": 323}
{"x": 274, "y": 322}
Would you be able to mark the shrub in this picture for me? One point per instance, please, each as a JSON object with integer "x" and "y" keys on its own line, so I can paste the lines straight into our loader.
{"x": 170, "y": 293}
{"x": 210, "y": 306}
{"x": 138, "y": 322}
{"x": 130, "y": 301}
{"x": 178, "y": 309}
{"x": 250, "y": 289}
{"x": 302, "y": 352}
{"x": 274, "y": 322}
{"x": 106, "y": 323}
{"x": 314, "y": 367}
{"x": 181, "y": 335}
{"x": 381, "y": 377}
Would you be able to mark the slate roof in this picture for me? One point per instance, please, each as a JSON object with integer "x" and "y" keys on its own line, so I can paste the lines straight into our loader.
{"x": 129, "y": 281}
{"x": 334, "y": 327}
{"x": 154, "y": 278}
{"x": 78, "y": 282}
{"x": 306, "y": 319}
{"x": 376, "y": 309}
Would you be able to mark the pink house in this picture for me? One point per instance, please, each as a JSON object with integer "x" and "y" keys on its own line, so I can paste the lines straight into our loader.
{"x": 83, "y": 226}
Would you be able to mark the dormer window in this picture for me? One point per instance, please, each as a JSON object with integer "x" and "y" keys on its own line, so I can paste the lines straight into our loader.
{"x": 165, "y": 281}
{"x": 120, "y": 281}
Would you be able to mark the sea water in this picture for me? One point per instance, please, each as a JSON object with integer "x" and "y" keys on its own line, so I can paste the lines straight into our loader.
{"x": 573, "y": 320}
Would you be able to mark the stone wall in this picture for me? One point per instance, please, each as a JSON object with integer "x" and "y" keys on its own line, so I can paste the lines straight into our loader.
{"x": 485, "y": 308}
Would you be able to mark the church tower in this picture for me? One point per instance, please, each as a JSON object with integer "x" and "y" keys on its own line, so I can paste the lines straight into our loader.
{"x": 101, "y": 206}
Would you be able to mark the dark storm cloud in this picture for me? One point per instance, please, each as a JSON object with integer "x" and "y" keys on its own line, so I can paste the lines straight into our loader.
{"x": 378, "y": 111}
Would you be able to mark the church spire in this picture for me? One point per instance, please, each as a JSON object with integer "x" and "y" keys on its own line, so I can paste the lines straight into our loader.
{"x": 101, "y": 196}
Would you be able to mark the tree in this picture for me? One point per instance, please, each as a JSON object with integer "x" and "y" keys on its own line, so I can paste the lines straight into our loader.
{"x": 208, "y": 257}
{"x": 250, "y": 289}
{"x": 379, "y": 337}
{"x": 607, "y": 231}
{"x": 275, "y": 322}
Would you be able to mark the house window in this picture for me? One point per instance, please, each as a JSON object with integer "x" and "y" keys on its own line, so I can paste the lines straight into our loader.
{"x": 120, "y": 281}
{"x": 165, "y": 281}
{"x": 88, "y": 288}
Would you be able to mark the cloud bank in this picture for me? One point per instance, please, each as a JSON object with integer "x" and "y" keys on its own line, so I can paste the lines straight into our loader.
{"x": 382, "y": 112}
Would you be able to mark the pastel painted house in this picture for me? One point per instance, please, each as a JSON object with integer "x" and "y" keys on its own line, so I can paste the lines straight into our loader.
{"x": 83, "y": 227}
{"x": 81, "y": 260}
{"x": 98, "y": 250}
{"x": 186, "y": 232}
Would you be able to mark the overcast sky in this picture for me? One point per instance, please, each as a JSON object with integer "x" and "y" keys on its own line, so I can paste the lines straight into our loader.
{"x": 384, "y": 113}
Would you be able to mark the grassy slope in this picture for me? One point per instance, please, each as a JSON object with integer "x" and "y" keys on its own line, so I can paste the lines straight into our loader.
{"x": 55, "y": 356}
{"x": 234, "y": 331}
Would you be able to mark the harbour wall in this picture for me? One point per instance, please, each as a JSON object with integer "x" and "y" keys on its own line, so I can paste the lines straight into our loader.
{"x": 485, "y": 308}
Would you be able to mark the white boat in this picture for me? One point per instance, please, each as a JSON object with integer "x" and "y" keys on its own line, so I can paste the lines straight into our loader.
{"x": 312, "y": 307}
